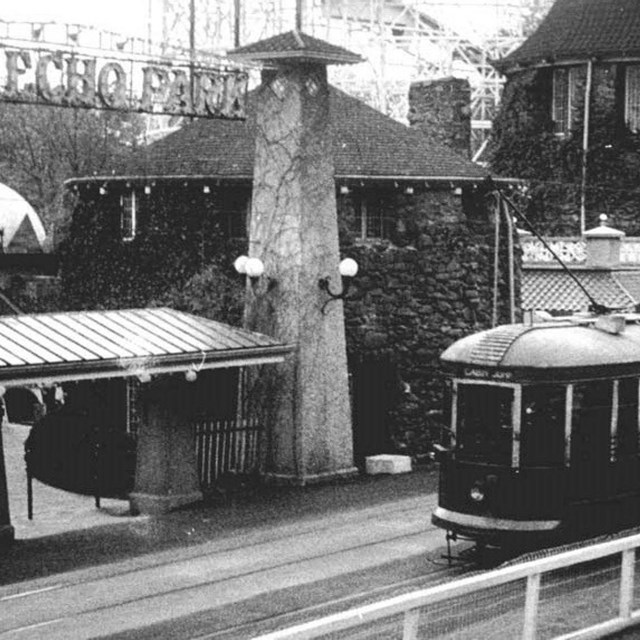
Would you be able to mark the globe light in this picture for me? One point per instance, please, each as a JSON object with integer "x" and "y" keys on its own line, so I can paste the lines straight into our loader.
{"x": 348, "y": 268}
{"x": 254, "y": 267}
{"x": 240, "y": 264}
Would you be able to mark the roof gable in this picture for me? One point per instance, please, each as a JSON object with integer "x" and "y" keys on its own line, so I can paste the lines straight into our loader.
{"x": 24, "y": 240}
{"x": 366, "y": 144}
{"x": 581, "y": 29}
{"x": 295, "y": 45}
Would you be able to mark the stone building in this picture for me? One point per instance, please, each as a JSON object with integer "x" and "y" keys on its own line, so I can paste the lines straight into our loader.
{"x": 570, "y": 117}
{"x": 415, "y": 215}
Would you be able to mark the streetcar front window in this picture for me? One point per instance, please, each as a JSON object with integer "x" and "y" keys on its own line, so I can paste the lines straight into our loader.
{"x": 484, "y": 429}
{"x": 543, "y": 417}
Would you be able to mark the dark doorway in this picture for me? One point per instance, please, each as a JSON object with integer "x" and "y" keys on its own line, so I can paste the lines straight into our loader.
{"x": 373, "y": 387}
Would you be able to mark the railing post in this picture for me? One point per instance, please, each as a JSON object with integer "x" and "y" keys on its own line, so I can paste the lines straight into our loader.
{"x": 627, "y": 571}
{"x": 410, "y": 627}
{"x": 531, "y": 607}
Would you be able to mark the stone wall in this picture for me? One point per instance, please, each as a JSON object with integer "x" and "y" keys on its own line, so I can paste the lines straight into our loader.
{"x": 429, "y": 284}
{"x": 417, "y": 295}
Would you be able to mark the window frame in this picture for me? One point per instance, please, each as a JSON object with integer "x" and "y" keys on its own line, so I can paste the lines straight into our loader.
{"x": 370, "y": 213}
{"x": 567, "y": 83}
{"x": 632, "y": 97}
{"x": 516, "y": 411}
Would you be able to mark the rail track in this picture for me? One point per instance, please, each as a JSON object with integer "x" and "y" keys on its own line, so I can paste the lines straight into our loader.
{"x": 241, "y": 585}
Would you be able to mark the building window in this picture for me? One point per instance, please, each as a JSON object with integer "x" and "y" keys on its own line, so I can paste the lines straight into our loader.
{"x": 565, "y": 85}
{"x": 632, "y": 98}
{"x": 373, "y": 218}
{"x": 235, "y": 207}
{"x": 128, "y": 206}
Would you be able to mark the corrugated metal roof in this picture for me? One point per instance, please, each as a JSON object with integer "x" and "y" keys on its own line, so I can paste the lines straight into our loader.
{"x": 120, "y": 343}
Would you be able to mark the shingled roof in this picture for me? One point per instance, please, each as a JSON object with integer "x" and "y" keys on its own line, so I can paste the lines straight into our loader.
{"x": 367, "y": 144}
{"x": 298, "y": 45}
{"x": 555, "y": 291}
{"x": 580, "y": 29}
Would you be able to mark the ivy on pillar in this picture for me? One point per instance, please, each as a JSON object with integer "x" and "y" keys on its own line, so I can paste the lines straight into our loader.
{"x": 294, "y": 232}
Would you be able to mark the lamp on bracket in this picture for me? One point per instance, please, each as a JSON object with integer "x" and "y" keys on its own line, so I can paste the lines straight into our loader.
{"x": 252, "y": 267}
{"x": 191, "y": 374}
{"x": 348, "y": 269}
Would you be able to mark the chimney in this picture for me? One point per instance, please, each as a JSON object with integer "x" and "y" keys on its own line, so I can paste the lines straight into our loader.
{"x": 441, "y": 109}
{"x": 603, "y": 245}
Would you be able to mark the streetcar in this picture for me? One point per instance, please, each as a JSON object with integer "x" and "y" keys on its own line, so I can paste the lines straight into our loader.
{"x": 541, "y": 433}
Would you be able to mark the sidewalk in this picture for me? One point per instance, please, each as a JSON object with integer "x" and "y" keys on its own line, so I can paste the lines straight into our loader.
{"x": 69, "y": 533}
{"x": 54, "y": 511}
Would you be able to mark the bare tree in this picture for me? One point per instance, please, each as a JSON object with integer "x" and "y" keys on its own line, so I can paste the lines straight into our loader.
{"x": 41, "y": 147}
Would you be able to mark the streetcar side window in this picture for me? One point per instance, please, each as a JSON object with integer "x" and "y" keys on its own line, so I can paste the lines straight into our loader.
{"x": 542, "y": 435}
{"x": 627, "y": 441}
{"x": 484, "y": 427}
{"x": 591, "y": 423}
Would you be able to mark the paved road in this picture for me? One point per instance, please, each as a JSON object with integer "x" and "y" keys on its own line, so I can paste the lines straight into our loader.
{"x": 172, "y": 585}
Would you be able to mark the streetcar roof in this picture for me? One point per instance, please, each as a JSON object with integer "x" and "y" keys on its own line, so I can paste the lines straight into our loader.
{"x": 564, "y": 344}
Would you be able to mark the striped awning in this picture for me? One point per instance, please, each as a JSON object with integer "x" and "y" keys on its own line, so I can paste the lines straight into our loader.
{"x": 81, "y": 345}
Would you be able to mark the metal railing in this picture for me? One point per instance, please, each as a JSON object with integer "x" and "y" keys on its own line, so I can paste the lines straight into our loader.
{"x": 408, "y": 606}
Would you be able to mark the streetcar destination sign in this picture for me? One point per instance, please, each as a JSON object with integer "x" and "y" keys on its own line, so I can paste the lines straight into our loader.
{"x": 63, "y": 78}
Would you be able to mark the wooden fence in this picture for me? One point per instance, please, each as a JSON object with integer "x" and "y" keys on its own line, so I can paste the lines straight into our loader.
{"x": 226, "y": 447}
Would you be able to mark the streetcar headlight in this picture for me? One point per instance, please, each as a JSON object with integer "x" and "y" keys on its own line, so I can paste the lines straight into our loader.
{"x": 476, "y": 493}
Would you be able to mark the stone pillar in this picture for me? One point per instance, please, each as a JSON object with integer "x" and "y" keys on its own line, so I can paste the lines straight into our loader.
{"x": 603, "y": 246}
{"x": 294, "y": 231}
{"x": 441, "y": 110}
{"x": 166, "y": 467}
{"x": 6, "y": 530}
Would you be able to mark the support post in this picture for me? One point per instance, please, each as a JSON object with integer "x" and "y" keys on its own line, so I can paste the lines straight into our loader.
{"x": 166, "y": 467}
{"x": 7, "y": 532}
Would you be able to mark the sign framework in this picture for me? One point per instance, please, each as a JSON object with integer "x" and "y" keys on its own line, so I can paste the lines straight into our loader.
{"x": 34, "y": 75}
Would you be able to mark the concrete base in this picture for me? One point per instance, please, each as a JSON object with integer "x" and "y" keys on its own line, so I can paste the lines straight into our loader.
{"x": 149, "y": 504}
{"x": 7, "y": 535}
{"x": 388, "y": 463}
{"x": 316, "y": 478}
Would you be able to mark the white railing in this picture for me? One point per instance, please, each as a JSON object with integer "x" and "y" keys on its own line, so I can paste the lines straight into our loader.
{"x": 569, "y": 250}
{"x": 409, "y": 605}
{"x": 573, "y": 251}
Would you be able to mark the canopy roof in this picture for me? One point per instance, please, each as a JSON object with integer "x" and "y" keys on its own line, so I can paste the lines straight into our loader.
{"x": 295, "y": 45}
{"x": 54, "y": 347}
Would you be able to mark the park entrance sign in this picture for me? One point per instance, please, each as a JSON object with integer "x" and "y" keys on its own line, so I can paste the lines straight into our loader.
{"x": 65, "y": 78}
